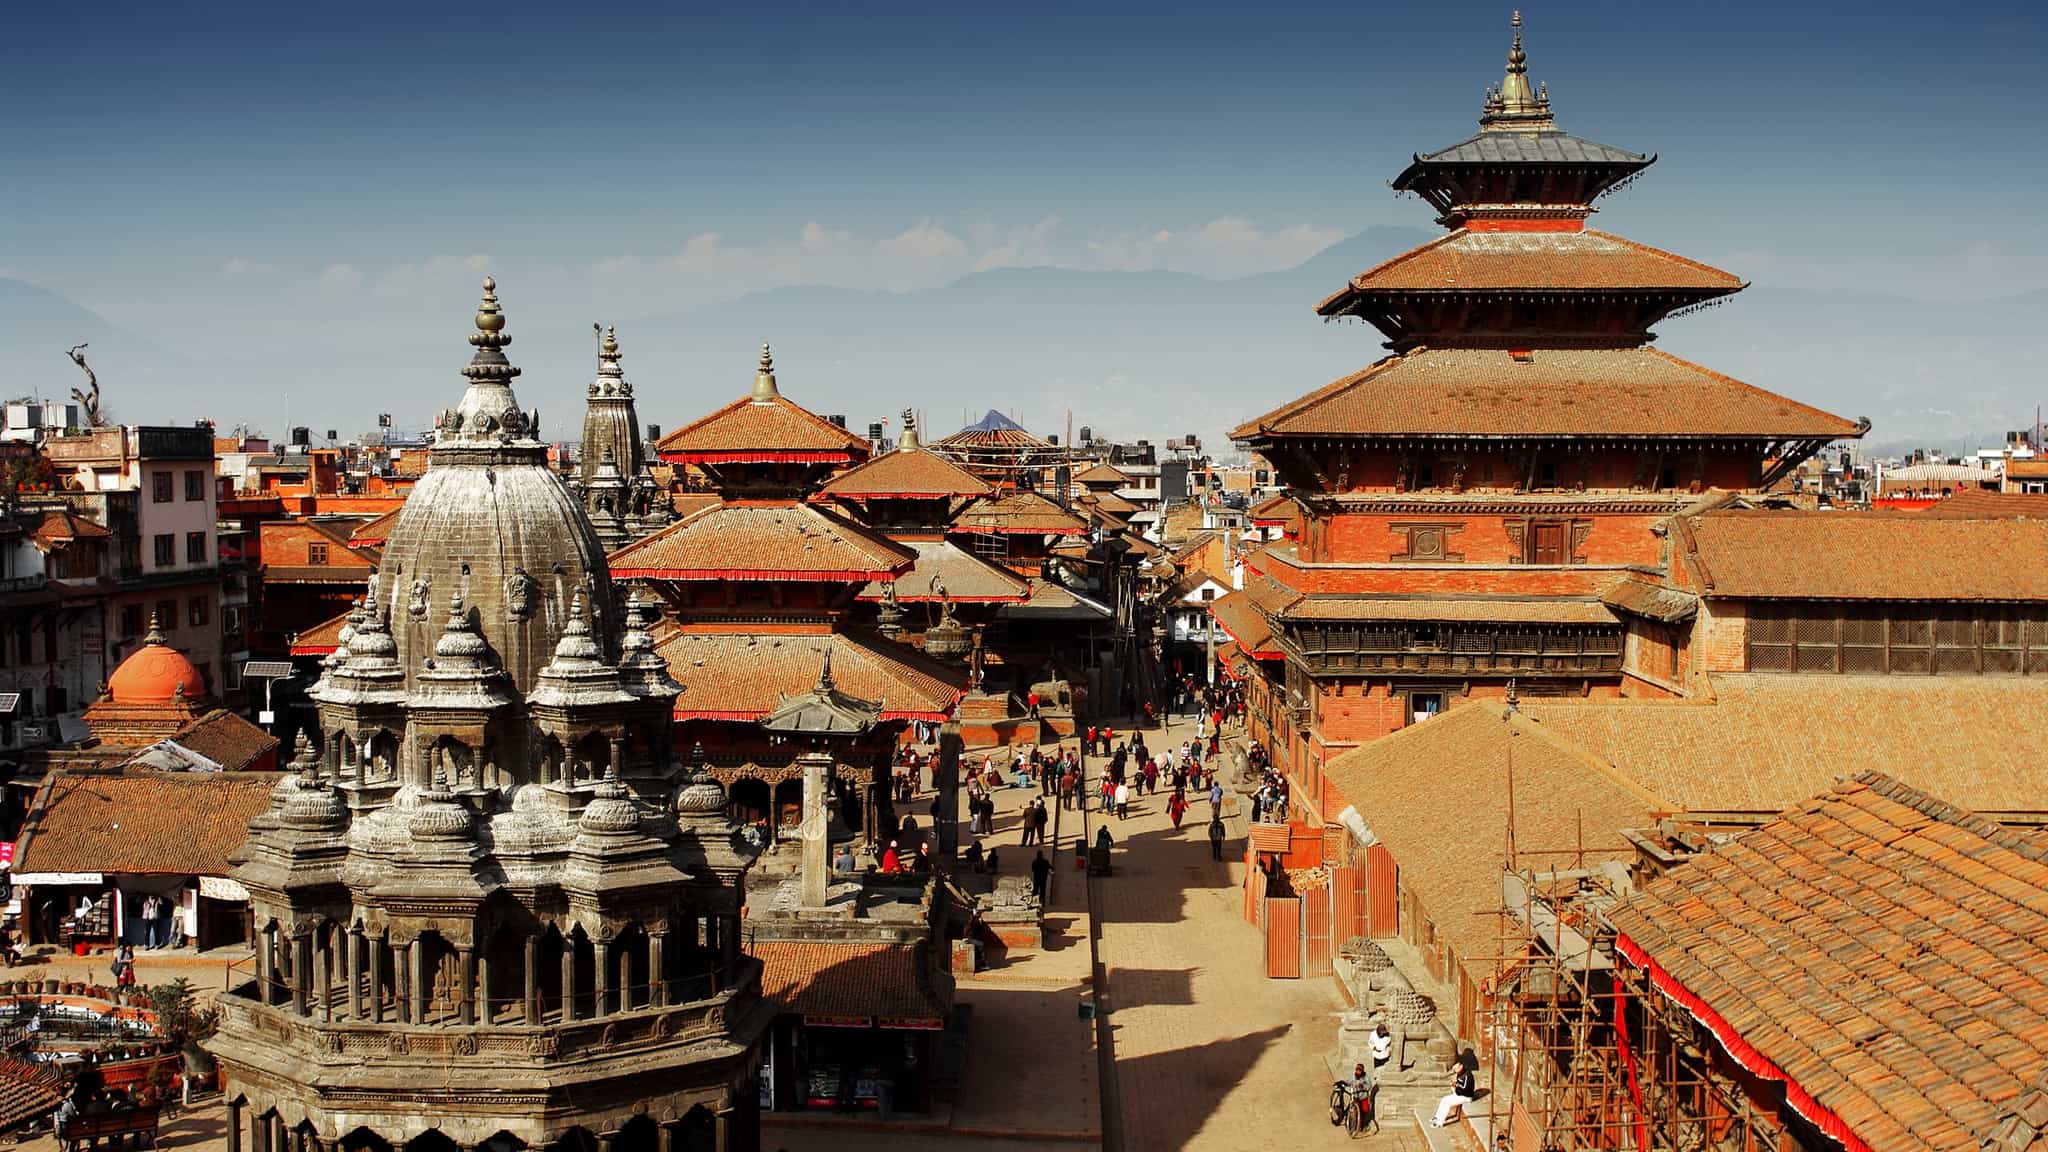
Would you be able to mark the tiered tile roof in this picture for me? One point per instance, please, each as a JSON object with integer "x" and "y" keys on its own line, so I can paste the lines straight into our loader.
{"x": 177, "y": 824}
{"x": 373, "y": 533}
{"x": 745, "y": 675}
{"x": 1976, "y": 503}
{"x": 1546, "y": 392}
{"x": 1102, "y": 473}
{"x": 1878, "y": 951}
{"x": 751, "y": 431}
{"x": 967, "y": 578}
{"x": 59, "y": 527}
{"x": 773, "y": 541}
{"x": 1025, "y": 513}
{"x": 321, "y": 638}
{"x": 911, "y": 473}
{"x": 1867, "y": 555}
{"x": 1476, "y": 261}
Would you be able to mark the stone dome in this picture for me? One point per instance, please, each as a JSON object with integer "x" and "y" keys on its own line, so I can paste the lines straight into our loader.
{"x": 703, "y": 797}
{"x": 491, "y": 521}
{"x": 155, "y": 673}
{"x": 612, "y": 810}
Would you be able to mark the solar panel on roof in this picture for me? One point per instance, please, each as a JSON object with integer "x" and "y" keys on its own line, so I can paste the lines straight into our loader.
{"x": 9, "y": 701}
{"x": 267, "y": 669}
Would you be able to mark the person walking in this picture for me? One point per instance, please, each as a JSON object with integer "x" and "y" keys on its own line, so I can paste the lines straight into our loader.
{"x": 1216, "y": 795}
{"x": 1123, "y": 801}
{"x": 1176, "y": 808}
{"x": 1216, "y": 837}
{"x": 1041, "y": 870}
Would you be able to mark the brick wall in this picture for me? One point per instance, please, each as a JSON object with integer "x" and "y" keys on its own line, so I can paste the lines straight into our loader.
{"x": 1720, "y": 635}
{"x": 1484, "y": 539}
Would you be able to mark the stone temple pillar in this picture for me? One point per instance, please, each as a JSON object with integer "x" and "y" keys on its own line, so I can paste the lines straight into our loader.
{"x": 817, "y": 864}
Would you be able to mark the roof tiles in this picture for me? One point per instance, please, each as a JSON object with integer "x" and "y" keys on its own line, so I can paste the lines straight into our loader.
{"x": 1868, "y": 555}
{"x": 745, "y": 675}
{"x": 749, "y": 427}
{"x": 1467, "y": 261}
{"x": 904, "y": 473}
{"x": 1018, "y": 512}
{"x": 778, "y": 541}
{"x": 1622, "y": 392}
{"x": 965, "y": 577}
{"x": 836, "y": 979}
{"x": 180, "y": 824}
{"x": 1884, "y": 950}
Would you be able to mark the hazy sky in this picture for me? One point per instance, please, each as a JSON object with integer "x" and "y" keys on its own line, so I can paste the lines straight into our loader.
{"x": 277, "y": 192}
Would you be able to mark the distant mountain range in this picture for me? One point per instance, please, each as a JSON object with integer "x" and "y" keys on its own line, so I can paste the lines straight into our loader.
{"x": 1154, "y": 354}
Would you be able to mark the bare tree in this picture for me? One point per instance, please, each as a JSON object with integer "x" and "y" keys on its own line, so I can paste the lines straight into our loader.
{"x": 89, "y": 397}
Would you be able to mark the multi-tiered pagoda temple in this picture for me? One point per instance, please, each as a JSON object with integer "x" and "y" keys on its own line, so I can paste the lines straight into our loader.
{"x": 493, "y": 910}
{"x": 1472, "y": 505}
{"x": 760, "y": 592}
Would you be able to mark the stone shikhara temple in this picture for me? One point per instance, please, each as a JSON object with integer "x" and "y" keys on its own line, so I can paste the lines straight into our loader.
{"x": 494, "y": 910}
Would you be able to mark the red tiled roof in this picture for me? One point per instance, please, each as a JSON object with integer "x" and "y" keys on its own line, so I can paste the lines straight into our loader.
{"x": 1278, "y": 508}
{"x": 1976, "y": 503}
{"x": 1879, "y": 952}
{"x": 231, "y": 742}
{"x": 1467, "y": 261}
{"x": 1246, "y": 625}
{"x": 1027, "y": 513}
{"x": 1102, "y": 473}
{"x": 761, "y": 430}
{"x": 967, "y": 578}
{"x": 686, "y": 504}
{"x": 28, "y": 1090}
{"x": 373, "y": 533}
{"x": 316, "y": 574}
{"x": 744, "y": 675}
{"x": 1108, "y": 502}
{"x": 1759, "y": 742}
{"x": 1630, "y": 392}
{"x": 1799, "y": 555}
{"x": 1445, "y": 837}
{"x": 58, "y": 526}
{"x": 846, "y": 980}
{"x": 905, "y": 474}
{"x": 321, "y": 639}
{"x": 779, "y": 541}
{"x": 150, "y": 823}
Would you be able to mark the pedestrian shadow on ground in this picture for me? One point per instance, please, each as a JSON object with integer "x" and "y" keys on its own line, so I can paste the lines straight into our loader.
{"x": 1165, "y": 1099}
{"x": 1058, "y": 932}
{"x": 1133, "y": 893}
{"x": 1138, "y": 987}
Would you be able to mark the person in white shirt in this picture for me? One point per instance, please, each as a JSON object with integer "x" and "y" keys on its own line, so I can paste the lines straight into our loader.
{"x": 1123, "y": 801}
{"x": 1382, "y": 1043}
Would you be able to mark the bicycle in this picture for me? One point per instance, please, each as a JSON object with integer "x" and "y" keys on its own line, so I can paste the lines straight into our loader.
{"x": 1355, "y": 1116}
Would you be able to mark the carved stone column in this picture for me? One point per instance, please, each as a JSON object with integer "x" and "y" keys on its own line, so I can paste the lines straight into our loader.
{"x": 465, "y": 981}
{"x": 601, "y": 1001}
{"x": 568, "y": 979}
{"x": 354, "y": 939}
{"x": 302, "y": 972}
{"x": 235, "y": 1127}
{"x": 532, "y": 970}
{"x": 657, "y": 980}
{"x": 420, "y": 979}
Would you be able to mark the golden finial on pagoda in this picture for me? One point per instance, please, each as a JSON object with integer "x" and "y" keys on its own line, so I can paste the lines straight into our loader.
{"x": 764, "y": 377}
{"x": 1512, "y": 105}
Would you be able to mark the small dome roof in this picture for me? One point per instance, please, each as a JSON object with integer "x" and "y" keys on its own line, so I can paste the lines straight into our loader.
{"x": 154, "y": 674}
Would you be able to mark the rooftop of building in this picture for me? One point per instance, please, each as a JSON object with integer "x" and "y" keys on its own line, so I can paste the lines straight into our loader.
{"x": 745, "y": 676}
{"x": 1020, "y": 512}
{"x": 848, "y": 981}
{"x": 1449, "y": 842}
{"x": 1469, "y": 261}
{"x": 1761, "y": 742}
{"x": 908, "y": 473}
{"x": 1635, "y": 393}
{"x": 772, "y": 541}
{"x": 762, "y": 427}
{"x": 142, "y": 823}
{"x": 1838, "y": 555}
{"x": 945, "y": 570}
{"x": 1879, "y": 951}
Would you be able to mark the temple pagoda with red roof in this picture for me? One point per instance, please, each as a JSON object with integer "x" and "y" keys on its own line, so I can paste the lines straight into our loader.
{"x": 1465, "y": 502}
{"x": 761, "y": 589}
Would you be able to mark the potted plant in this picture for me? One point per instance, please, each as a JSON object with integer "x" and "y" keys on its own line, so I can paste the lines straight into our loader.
{"x": 184, "y": 1024}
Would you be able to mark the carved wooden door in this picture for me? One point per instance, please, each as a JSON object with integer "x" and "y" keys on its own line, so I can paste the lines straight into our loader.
{"x": 1546, "y": 543}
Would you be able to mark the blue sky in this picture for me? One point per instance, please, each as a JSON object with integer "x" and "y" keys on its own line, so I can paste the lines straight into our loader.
{"x": 249, "y": 186}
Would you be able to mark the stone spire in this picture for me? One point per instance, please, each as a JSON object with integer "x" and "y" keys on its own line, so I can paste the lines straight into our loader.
{"x": 764, "y": 378}
{"x": 1511, "y": 106}
{"x": 489, "y": 414}
{"x": 611, "y": 379}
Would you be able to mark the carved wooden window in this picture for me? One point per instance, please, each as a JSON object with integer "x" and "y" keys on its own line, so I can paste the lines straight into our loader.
{"x": 1896, "y": 639}
{"x": 316, "y": 554}
{"x": 1427, "y": 542}
{"x": 1547, "y": 542}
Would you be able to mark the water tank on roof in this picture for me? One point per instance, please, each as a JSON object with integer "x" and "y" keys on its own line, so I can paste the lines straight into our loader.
{"x": 838, "y": 420}
{"x": 1087, "y": 434}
